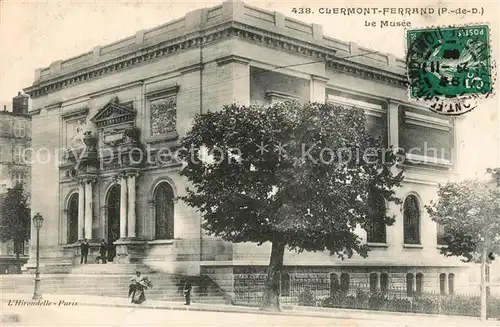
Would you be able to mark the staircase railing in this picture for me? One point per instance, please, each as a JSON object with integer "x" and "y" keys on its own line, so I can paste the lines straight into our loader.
{"x": 205, "y": 279}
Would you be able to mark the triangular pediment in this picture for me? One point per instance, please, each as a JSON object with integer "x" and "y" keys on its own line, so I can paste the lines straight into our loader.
{"x": 114, "y": 113}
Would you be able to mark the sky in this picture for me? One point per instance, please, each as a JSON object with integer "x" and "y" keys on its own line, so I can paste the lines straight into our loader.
{"x": 35, "y": 33}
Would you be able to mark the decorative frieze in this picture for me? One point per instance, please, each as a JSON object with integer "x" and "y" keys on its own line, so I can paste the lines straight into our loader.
{"x": 163, "y": 115}
{"x": 223, "y": 31}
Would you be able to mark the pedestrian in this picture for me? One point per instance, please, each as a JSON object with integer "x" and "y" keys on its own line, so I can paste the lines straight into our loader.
{"x": 138, "y": 284}
{"x": 84, "y": 251}
{"x": 111, "y": 250}
{"x": 187, "y": 292}
{"x": 102, "y": 251}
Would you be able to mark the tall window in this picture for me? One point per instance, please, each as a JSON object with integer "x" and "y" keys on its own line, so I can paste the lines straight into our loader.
{"x": 164, "y": 211}
{"x": 442, "y": 284}
{"x": 409, "y": 284}
{"x": 440, "y": 234}
{"x": 18, "y": 154}
{"x": 334, "y": 284}
{"x": 23, "y": 248}
{"x": 376, "y": 231}
{"x": 285, "y": 284}
{"x": 384, "y": 283}
{"x": 451, "y": 283}
{"x": 373, "y": 282}
{"x": 419, "y": 283}
{"x": 26, "y": 247}
{"x": 344, "y": 282}
{"x": 19, "y": 128}
{"x": 18, "y": 178}
{"x": 411, "y": 218}
{"x": 72, "y": 219}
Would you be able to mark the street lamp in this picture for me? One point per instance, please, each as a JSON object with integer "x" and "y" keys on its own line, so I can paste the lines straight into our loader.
{"x": 38, "y": 222}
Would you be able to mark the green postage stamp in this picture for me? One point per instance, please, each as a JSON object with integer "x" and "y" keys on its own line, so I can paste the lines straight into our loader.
{"x": 449, "y": 68}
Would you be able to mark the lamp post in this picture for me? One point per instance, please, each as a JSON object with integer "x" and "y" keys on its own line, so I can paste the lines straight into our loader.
{"x": 37, "y": 222}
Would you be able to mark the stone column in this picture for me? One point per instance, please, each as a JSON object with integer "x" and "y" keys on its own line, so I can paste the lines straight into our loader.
{"x": 81, "y": 209}
{"x": 123, "y": 206}
{"x": 235, "y": 70}
{"x": 317, "y": 88}
{"x": 393, "y": 124}
{"x": 88, "y": 209}
{"x": 131, "y": 217}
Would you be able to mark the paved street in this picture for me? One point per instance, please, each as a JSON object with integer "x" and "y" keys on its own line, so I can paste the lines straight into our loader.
{"x": 98, "y": 316}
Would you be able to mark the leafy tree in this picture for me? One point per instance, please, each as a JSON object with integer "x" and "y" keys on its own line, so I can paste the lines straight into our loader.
{"x": 15, "y": 220}
{"x": 469, "y": 211}
{"x": 297, "y": 176}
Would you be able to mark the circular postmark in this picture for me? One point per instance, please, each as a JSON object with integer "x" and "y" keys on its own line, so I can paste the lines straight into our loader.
{"x": 449, "y": 68}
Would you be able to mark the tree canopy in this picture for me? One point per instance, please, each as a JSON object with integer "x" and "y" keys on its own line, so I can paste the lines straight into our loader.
{"x": 470, "y": 213}
{"x": 303, "y": 176}
{"x": 15, "y": 218}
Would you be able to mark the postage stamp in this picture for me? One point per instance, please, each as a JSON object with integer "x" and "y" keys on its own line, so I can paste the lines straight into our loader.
{"x": 449, "y": 68}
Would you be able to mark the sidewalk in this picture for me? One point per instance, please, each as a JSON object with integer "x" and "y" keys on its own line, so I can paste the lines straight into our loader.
{"x": 102, "y": 301}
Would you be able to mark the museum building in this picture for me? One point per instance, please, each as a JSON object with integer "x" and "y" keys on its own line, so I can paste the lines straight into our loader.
{"x": 91, "y": 114}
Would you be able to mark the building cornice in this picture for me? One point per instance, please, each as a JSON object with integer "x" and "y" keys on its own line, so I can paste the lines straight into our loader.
{"x": 217, "y": 33}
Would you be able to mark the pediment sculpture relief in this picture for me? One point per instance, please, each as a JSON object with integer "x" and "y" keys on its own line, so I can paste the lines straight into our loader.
{"x": 114, "y": 113}
{"x": 76, "y": 135}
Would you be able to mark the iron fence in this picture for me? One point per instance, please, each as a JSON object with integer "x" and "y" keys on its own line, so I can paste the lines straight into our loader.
{"x": 318, "y": 291}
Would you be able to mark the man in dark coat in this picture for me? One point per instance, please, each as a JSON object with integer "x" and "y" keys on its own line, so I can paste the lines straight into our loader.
{"x": 102, "y": 251}
{"x": 84, "y": 251}
{"x": 187, "y": 292}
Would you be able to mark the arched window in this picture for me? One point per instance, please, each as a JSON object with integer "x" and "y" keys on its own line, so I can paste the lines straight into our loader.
{"x": 285, "y": 284}
{"x": 344, "y": 282}
{"x": 451, "y": 283}
{"x": 442, "y": 284}
{"x": 376, "y": 230}
{"x": 164, "y": 211}
{"x": 373, "y": 282}
{"x": 409, "y": 284}
{"x": 334, "y": 284}
{"x": 72, "y": 220}
{"x": 384, "y": 283}
{"x": 419, "y": 283}
{"x": 411, "y": 218}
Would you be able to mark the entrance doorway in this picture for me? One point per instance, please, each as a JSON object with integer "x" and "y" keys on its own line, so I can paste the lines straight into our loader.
{"x": 113, "y": 219}
{"x": 72, "y": 217}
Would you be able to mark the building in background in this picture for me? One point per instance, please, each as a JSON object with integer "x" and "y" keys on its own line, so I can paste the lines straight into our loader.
{"x": 143, "y": 92}
{"x": 15, "y": 168}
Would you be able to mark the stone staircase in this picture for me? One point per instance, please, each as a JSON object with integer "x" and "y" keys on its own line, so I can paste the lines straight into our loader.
{"x": 112, "y": 280}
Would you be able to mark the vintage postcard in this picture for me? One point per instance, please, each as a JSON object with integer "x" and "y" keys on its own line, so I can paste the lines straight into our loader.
{"x": 249, "y": 163}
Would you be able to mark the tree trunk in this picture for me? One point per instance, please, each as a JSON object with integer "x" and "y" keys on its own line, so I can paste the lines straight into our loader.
{"x": 18, "y": 259}
{"x": 271, "y": 299}
{"x": 483, "y": 283}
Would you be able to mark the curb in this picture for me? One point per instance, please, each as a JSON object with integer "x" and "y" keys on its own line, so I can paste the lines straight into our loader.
{"x": 326, "y": 315}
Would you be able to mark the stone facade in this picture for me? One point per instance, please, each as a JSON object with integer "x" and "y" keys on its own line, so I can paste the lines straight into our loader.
{"x": 15, "y": 140}
{"x": 143, "y": 92}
